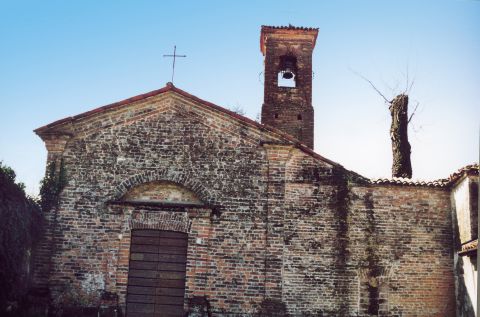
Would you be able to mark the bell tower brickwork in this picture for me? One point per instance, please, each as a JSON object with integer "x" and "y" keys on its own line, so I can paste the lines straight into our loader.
{"x": 287, "y": 102}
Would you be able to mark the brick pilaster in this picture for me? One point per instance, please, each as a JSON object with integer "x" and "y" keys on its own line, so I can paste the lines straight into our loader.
{"x": 43, "y": 252}
{"x": 277, "y": 156}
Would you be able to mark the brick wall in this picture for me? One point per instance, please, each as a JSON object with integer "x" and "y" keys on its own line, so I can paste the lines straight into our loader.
{"x": 353, "y": 248}
{"x": 275, "y": 224}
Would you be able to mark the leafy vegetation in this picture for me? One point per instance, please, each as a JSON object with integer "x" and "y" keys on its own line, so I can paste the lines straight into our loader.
{"x": 20, "y": 228}
{"x": 51, "y": 186}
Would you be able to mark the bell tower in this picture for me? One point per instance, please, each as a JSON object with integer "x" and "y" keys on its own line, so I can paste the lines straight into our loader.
{"x": 287, "y": 103}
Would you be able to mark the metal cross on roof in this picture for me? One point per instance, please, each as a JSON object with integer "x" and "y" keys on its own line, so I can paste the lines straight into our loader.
{"x": 174, "y": 57}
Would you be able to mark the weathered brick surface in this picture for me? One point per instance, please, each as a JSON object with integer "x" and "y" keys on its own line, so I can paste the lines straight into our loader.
{"x": 360, "y": 249}
{"x": 289, "y": 108}
{"x": 407, "y": 232}
{"x": 164, "y": 192}
{"x": 276, "y": 223}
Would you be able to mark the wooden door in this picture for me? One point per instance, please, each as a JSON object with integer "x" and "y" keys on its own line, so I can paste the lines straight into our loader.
{"x": 156, "y": 277}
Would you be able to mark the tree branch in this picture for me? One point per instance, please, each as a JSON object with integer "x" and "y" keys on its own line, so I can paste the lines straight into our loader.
{"x": 371, "y": 84}
{"x": 414, "y": 110}
{"x": 411, "y": 85}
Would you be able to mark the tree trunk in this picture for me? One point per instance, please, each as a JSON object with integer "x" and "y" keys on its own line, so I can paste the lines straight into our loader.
{"x": 401, "y": 166}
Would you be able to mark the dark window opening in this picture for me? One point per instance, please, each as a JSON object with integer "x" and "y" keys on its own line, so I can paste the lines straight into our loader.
{"x": 299, "y": 117}
{"x": 276, "y": 116}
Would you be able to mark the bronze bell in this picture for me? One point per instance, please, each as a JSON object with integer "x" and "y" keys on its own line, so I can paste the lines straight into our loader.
{"x": 287, "y": 74}
{"x": 288, "y": 66}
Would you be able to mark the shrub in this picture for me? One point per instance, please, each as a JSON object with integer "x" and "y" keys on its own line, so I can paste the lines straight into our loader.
{"x": 20, "y": 227}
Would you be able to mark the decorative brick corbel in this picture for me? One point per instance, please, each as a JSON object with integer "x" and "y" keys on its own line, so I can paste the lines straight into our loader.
{"x": 55, "y": 144}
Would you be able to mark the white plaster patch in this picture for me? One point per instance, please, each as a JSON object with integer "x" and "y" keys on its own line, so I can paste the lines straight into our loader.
{"x": 93, "y": 282}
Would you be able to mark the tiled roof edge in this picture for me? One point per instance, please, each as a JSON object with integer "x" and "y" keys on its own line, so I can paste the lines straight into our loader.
{"x": 471, "y": 169}
{"x": 289, "y": 27}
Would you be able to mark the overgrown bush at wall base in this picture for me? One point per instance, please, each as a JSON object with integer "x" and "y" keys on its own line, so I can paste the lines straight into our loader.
{"x": 20, "y": 228}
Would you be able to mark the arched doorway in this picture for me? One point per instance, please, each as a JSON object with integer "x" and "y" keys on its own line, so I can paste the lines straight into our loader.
{"x": 158, "y": 221}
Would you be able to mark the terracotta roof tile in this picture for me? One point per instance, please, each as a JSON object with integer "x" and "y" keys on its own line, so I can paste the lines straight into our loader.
{"x": 471, "y": 169}
{"x": 288, "y": 27}
{"x": 408, "y": 182}
{"x": 469, "y": 247}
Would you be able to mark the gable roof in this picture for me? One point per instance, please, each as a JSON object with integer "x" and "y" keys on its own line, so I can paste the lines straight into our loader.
{"x": 288, "y": 139}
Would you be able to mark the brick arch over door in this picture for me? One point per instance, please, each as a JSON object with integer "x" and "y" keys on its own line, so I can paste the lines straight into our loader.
{"x": 181, "y": 178}
{"x": 144, "y": 260}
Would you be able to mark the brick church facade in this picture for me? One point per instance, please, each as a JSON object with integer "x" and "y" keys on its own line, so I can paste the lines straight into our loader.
{"x": 174, "y": 205}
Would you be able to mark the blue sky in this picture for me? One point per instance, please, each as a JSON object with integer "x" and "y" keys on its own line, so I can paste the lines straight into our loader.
{"x": 61, "y": 58}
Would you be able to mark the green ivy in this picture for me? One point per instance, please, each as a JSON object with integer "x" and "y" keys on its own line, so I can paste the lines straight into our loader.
{"x": 372, "y": 255}
{"x": 52, "y": 185}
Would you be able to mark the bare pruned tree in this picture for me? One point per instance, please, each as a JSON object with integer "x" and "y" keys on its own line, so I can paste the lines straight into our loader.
{"x": 401, "y": 149}
{"x": 398, "y": 106}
